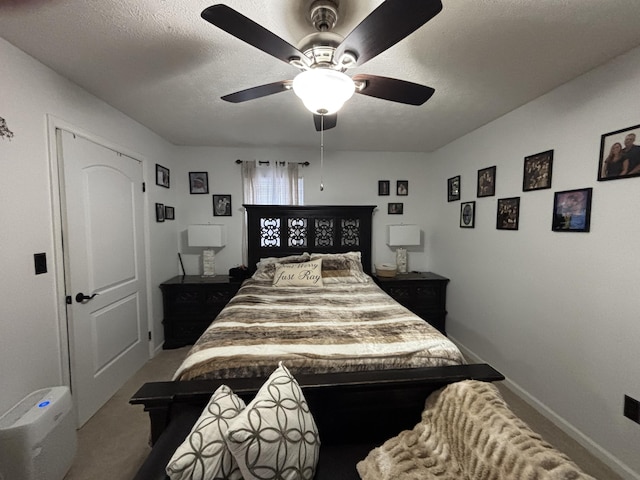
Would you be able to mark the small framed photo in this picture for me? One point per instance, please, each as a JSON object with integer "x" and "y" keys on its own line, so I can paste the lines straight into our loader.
{"x": 619, "y": 154}
{"x": 468, "y": 215}
{"x": 537, "y": 171}
{"x": 159, "y": 212}
{"x": 453, "y": 189}
{"x": 572, "y": 210}
{"x": 402, "y": 188}
{"x": 222, "y": 205}
{"x": 508, "y": 215}
{"x": 487, "y": 182}
{"x": 162, "y": 176}
{"x": 383, "y": 187}
{"x": 395, "y": 208}
{"x": 198, "y": 182}
{"x": 169, "y": 213}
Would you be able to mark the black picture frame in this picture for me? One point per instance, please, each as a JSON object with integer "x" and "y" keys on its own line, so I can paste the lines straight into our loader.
{"x": 486, "y": 182}
{"x": 163, "y": 176}
{"x": 159, "y": 212}
{"x": 508, "y": 213}
{"x": 453, "y": 189}
{"x": 222, "y": 205}
{"x": 537, "y": 171}
{"x": 468, "y": 214}
{"x": 402, "y": 188}
{"x": 395, "y": 208}
{"x": 169, "y": 213}
{"x": 625, "y": 163}
{"x": 572, "y": 210}
{"x": 198, "y": 183}
{"x": 384, "y": 187}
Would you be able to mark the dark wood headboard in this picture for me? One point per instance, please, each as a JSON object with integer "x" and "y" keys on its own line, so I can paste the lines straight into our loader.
{"x": 280, "y": 230}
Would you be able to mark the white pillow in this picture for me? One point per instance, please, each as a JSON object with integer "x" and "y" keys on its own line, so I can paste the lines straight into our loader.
{"x": 307, "y": 274}
{"x": 276, "y": 436}
{"x": 204, "y": 453}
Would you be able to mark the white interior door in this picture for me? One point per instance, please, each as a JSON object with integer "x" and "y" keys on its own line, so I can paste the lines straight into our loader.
{"x": 103, "y": 239}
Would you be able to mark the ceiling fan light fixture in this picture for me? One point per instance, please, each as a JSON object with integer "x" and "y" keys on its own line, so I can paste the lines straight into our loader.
{"x": 322, "y": 90}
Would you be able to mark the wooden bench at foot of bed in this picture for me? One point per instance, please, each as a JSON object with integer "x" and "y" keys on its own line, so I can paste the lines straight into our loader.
{"x": 347, "y": 407}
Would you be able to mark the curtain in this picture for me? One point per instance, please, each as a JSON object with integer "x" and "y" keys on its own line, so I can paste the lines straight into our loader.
{"x": 271, "y": 183}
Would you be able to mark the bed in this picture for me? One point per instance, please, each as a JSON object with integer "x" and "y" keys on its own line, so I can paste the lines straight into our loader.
{"x": 336, "y": 319}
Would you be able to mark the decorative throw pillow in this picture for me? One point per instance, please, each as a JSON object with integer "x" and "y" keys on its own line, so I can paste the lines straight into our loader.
{"x": 307, "y": 274}
{"x": 204, "y": 454}
{"x": 266, "y": 267}
{"x": 341, "y": 267}
{"x": 275, "y": 437}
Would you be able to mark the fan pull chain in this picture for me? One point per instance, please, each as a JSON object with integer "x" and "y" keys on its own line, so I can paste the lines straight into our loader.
{"x": 321, "y": 152}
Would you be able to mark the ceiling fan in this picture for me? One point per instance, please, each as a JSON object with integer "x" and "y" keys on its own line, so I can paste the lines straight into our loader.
{"x": 324, "y": 56}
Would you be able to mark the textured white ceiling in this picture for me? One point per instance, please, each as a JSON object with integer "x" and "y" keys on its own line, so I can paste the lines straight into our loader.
{"x": 160, "y": 63}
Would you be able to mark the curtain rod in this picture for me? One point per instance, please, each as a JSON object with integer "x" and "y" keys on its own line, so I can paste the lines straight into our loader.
{"x": 266, "y": 162}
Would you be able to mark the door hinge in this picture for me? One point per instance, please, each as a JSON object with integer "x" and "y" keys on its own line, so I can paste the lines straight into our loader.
{"x": 144, "y": 187}
{"x": 149, "y": 334}
{"x": 69, "y": 300}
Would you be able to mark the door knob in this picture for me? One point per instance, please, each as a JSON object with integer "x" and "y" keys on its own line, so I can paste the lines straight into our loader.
{"x": 81, "y": 297}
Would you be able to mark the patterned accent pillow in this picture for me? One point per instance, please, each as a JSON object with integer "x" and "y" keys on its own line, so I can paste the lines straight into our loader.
{"x": 275, "y": 437}
{"x": 266, "y": 267}
{"x": 204, "y": 453}
{"x": 307, "y": 274}
{"x": 341, "y": 267}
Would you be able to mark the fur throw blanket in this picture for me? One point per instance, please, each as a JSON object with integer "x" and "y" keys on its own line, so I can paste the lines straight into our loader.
{"x": 468, "y": 432}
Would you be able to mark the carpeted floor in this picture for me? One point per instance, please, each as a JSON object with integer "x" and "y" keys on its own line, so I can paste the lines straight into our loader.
{"x": 114, "y": 442}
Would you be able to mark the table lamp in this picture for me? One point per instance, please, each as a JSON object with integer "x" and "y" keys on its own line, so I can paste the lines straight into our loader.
{"x": 401, "y": 236}
{"x": 210, "y": 237}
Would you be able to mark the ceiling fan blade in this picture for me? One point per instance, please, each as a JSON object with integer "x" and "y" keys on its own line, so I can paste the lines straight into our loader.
{"x": 392, "y": 21}
{"x": 393, "y": 89}
{"x": 258, "y": 92}
{"x": 250, "y": 32}
{"x": 330, "y": 121}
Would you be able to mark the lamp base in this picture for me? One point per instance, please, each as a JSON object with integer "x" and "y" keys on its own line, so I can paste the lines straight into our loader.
{"x": 208, "y": 262}
{"x": 401, "y": 260}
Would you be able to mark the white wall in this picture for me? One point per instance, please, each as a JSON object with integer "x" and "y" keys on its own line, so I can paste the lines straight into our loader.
{"x": 30, "y": 337}
{"x": 557, "y": 313}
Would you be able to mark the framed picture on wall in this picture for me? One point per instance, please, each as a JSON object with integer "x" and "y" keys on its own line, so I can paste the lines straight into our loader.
{"x": 572, "y": 210}
{"x": 383, "y": 187}
{"x": 453, "y": 189}
{"x": 222, "y": 205}
{"x": 619, "y": 154}
{"x": 169, "y": 213}
{"x": 162, "y": 176}
{"x": 537, "y": 171}
{"x": 159, "y": 212}
{"x": 487, "y": 182}
{"x": 198, "y": 182}
{"x": 395, "y": 208}
{"x": 468, "y": 215}
{"x": 508, "y": 213}
{"x": 402, "y": 188}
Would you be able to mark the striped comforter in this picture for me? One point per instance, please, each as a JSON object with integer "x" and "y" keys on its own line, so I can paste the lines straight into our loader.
{"x": 338, "y": 327}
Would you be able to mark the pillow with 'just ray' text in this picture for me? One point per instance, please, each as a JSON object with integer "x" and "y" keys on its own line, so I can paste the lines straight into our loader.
{"x": 307, "y": 274}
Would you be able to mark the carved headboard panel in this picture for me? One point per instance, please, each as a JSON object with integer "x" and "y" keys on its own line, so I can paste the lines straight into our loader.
{"x": 280, "y": 230}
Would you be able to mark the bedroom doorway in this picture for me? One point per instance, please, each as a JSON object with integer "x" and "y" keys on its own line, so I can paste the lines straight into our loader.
{"x": 102, "y": 211}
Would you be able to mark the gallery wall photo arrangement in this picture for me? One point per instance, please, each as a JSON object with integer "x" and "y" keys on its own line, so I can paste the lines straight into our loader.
{"x": 222, "y": 205}
{"x": 468, "y": 215}
{"x": 384, "y": 187}
{"x": 453, "y": 189}
{"x": 162, "y": 176}
{"x": 572, "y": 210}
{"x": 537, "y": 173}
{"x": 198, "y": 183}
{"x": 619, "y": 154}
{"x": 487, "y": 182}
{"x": 395, "y": 208}
{"x": 508, "y": 213}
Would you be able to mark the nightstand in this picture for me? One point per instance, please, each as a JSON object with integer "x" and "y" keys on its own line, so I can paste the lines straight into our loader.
{"x": 424, "y": 293}
{"x": 191, "y": 303}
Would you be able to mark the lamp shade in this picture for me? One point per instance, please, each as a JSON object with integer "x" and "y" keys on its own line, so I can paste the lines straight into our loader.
{"x": 322, "y": 90}
{"x": 207, "y": 235}
{"x": 403, "y": 235}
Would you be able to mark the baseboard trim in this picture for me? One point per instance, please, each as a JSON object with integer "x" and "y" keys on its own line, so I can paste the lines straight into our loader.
{"x": 596, "y": 450}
